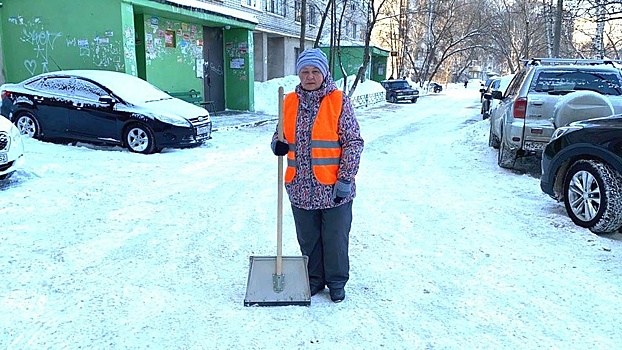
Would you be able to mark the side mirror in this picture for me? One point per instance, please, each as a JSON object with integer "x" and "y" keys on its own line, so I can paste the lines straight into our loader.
{"x": 497, "y": 95}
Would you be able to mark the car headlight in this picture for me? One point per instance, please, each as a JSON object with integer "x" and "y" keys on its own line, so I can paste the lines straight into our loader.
{"x": 559, "y": 132}
{"x": 173, "y": 119}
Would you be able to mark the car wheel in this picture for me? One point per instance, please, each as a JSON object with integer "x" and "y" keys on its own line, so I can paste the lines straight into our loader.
{"x": 28, "y": 125}
{"x": 393, "y": 99}
{"x": 492, "y": 139}
{"x": 506, "y": 158}
{"x": 485, "y": 110}
{"x": 414, "y": 100}
{"x": 592, "y": 196}
{"x": 139, "y": 138}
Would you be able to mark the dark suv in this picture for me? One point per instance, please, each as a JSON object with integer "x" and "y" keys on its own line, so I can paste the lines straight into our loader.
{"x": 582, "y": 166}
{"x": 399, "y": 90}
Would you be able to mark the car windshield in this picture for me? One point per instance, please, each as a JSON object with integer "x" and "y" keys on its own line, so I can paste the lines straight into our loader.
{"x": 399, "y": 84}
{"x": 561, "y": 82}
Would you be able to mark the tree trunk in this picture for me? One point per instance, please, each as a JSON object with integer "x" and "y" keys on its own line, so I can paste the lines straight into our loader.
{"x": 599, "y": 48}
{"x": 557, "y": 32}
{"x": 321, "y": 28}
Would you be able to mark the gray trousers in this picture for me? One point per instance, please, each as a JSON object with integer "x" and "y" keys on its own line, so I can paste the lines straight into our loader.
{"x": 323, "y": 236}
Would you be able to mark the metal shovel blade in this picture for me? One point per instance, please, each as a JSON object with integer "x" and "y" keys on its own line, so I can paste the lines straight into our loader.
{"x": 265, "y": 288}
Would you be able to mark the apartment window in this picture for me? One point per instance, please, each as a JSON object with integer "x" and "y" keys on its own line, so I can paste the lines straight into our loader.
{"x": 312, "y": 15}
{"x": 276, "y": 6}
{"x": 355, "y": 30}
{"x": 348, "y": 27}
{"x": 256, "y": 4}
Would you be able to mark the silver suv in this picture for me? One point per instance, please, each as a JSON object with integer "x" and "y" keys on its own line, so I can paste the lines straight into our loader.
{"x": 549, "y": 93}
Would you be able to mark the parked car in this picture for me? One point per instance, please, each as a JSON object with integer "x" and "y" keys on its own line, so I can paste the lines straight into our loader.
{"x": 582, "y": 166}
{"x": 487, "y": 97}
{"x": 399, "y": 90}
{"x": 488, "y": 103}
{"x": 11, "y": 148}
{"x": 435, "y": 87}
{"x": 104, "y": 107}
{"x": 547, "y": 94}
{"x": 484, "y": 87}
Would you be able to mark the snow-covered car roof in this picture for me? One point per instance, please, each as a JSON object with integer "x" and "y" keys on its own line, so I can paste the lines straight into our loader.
{"x": 126, "y": 86}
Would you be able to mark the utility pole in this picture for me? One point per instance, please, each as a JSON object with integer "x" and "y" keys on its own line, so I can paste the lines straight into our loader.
{"x": 303, "y": 24}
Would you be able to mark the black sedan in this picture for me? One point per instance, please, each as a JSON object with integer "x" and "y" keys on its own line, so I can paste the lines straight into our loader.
{"x": 399, "y": 90}
{"x": 582, "y": 166}
{"x": 104, "y": 107}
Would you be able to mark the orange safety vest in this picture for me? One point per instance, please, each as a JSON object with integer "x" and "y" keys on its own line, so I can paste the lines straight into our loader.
{"x": 325, "y": 146}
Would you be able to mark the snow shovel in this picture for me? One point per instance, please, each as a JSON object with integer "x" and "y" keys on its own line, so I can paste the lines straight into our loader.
{"x": 278, "y": 280}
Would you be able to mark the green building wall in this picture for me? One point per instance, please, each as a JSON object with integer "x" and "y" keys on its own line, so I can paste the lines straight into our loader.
{"x": 239, "y": 76}
{"x": 169, "y": 52}
{"x": 157, "y": 42}
{"x": 43, "y": 36}
{"x": 352, "y": 59}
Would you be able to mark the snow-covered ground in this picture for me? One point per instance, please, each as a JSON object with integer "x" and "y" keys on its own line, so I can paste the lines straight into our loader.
{"x": 101, "y": 248}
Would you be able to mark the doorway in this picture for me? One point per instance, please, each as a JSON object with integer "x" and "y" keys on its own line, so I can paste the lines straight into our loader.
{"x": 213, "y": 67}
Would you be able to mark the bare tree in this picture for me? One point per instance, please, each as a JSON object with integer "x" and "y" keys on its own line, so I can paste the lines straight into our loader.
{"x": 372, "y": 11}
{"x": 452, "y": 32}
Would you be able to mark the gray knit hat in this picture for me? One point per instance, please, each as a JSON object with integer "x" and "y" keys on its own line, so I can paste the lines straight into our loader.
{"x": 312, "y": 57}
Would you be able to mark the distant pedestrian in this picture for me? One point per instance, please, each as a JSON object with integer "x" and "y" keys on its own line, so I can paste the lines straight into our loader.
{"x": 466, "y": 82}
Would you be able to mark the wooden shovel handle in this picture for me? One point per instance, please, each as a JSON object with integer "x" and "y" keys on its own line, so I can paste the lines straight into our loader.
{"x": 280, "y": 181}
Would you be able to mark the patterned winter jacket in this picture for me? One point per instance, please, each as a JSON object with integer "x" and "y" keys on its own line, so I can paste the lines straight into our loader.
{"x": 305, "y": 191}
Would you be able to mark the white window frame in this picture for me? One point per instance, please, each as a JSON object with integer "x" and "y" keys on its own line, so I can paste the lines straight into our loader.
{"x": 254, "y": 4}
{"x": 280, "y": 8}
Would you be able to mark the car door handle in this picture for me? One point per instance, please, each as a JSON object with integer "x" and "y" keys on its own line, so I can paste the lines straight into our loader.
{"x": 537, "y": 103}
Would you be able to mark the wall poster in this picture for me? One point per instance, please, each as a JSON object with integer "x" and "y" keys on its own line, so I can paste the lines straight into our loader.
{"x": 169, "y": 38}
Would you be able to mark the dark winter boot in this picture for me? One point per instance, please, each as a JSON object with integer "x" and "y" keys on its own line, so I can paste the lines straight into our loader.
{"x": 337, "y": 295}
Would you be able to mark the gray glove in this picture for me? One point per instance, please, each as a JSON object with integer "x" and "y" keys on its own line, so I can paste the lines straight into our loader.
{"x": 341, "y": 190}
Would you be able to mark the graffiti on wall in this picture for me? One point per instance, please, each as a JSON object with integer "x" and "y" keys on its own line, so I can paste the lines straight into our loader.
{"x": 102, "y": 51}
{"x": 237, "y": 53}
{"x": 164, "y": 38}
{"x": 129, "y": 47}
{"x": 41, "y": 40}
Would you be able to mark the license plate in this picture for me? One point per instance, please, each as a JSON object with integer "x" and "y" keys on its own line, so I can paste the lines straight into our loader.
{"x": 535, "y": 146}
{"x": 3, "y": 158}
{"x": 203, "y": 130}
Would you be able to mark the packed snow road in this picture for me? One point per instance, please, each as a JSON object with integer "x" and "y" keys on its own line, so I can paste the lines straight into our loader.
{"x": 105, "y": 249}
